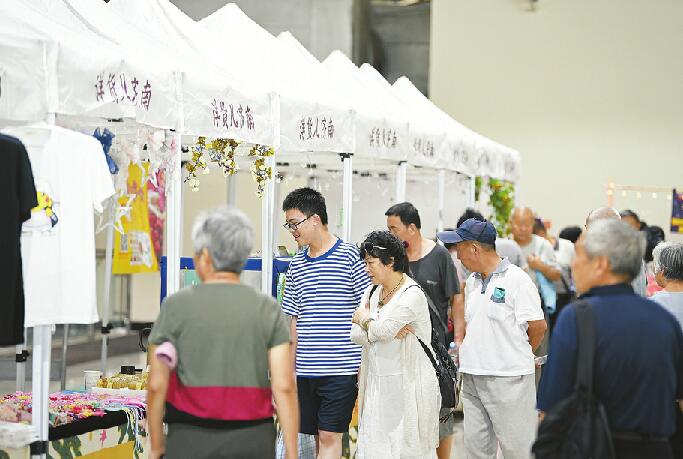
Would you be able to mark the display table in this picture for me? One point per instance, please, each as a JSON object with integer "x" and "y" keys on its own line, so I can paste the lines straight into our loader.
{"x": 117, "y": 433}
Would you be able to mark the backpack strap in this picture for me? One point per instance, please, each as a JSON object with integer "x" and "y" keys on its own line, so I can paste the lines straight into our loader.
{"x": 585, "y": 322}
{"x": 372, "y": 292}
{"x": 431, "y": 305}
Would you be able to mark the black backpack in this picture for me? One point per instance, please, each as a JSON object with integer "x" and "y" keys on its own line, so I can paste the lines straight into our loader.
{"x": 577, "y": 428}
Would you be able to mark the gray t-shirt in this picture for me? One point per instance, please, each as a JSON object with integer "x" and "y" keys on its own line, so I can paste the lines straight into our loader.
{"x": 672, "y": 302}
{"x": 436, "y": 274}
{"x": 507, "y": 248}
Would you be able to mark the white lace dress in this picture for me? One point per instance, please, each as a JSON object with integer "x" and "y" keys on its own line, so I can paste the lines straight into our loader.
{"x": 398, "y": 393}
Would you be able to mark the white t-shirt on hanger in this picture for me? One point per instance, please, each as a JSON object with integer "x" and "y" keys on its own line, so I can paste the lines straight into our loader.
{"x": 58, "y": 242}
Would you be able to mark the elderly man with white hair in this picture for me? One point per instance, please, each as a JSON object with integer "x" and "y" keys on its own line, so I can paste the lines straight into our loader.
{"x": 639, "y": 283}
{"x": 638, "y": 366}
{"x": 668, "y": 266}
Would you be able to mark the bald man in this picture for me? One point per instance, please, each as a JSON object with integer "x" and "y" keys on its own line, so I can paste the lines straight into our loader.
{"x": 537, "y": 251}
{"x": 639, "y": 284}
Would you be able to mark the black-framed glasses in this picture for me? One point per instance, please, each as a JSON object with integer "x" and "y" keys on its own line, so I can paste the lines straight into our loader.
{"x": 369, "y": 247}
{"x": 294, "y": 226}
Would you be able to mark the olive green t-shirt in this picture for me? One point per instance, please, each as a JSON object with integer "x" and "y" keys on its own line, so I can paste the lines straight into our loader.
{"x": 222, "y": 334}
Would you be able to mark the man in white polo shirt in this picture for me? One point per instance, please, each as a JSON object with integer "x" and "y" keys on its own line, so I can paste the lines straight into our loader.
{"x": 504, "y": 325}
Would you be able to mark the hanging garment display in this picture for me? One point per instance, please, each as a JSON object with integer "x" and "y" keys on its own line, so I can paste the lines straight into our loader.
{"x": 58, "y": 241}
{"x": 17, "y": 198}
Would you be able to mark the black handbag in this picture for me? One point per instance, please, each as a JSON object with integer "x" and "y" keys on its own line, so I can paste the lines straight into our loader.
{"x": 577, "y": 427}
{"x": 445, "y": 368}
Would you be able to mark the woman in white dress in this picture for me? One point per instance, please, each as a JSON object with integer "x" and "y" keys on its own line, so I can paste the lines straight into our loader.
{"x": 398, "y": 392}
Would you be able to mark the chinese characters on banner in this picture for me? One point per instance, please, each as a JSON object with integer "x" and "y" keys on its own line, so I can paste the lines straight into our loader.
{"x": 383, "y": 138}
{"x": 122, "y": 88}
{"x": 138, "y": 249}
{"x": 677, "y": 213}
{"x": 231, "y": 115}
{"x": 424, "y": 147}
{"x": 314, "y": 127}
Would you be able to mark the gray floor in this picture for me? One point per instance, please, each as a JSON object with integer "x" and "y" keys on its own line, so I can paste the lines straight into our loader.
{"x": 74, "y": 381}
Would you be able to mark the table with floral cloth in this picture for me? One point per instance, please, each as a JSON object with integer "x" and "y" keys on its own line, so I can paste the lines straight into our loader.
{"x": 95, "y": 426}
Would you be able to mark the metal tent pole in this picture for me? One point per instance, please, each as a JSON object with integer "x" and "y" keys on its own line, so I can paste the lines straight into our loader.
{"x": 441, "y": 198}
{"x": 232, "y": 190}
{"x": 65, "y": 347}
{"x": 347, "y": 195}
{"x": 107, "y": 286}
{"x": 174, "y": 213}
{"x": 266, "y": 231}
{"x": 401, "y": 179}
{"x": 21, "y": 357}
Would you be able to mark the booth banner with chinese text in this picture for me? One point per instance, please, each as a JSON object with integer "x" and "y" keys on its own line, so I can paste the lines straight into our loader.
{"x": 677, "y": 213}
{"x": 138, "y": 248}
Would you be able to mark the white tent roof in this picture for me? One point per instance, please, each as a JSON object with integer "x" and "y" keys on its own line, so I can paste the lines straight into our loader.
{"x": 459, "y": 143}
{"x": 216, "y": 102}
{"x": 311, "y": 118}
{"x": 466, "y": 150}
{"x": 27, "y": 93}
{"x": 426, "y": 141}
{"x": 379, "y": 133}
{"x": 86, "y": 65}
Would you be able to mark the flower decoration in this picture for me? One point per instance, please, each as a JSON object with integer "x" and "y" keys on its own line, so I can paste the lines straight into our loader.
{"x": 197, "y": 164}
{"x": 260, "y": 171}
{"x": 222, "y": 152}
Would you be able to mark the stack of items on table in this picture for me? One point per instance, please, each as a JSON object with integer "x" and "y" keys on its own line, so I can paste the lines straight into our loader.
{"x": 66, "y": 407}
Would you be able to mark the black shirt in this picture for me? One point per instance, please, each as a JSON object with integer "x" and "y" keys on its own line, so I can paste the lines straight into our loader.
{"x": 17, "y": 198}
{"x": 638, "y": 361}
{"x": 436, "y": 274}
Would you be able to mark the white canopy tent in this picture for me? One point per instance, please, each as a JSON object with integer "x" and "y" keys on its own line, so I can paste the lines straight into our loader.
{"x": 312, "y": 118}
{"x": 91, "y": 73}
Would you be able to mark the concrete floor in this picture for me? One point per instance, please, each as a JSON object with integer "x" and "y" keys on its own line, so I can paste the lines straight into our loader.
{"x": 74, "y": 381}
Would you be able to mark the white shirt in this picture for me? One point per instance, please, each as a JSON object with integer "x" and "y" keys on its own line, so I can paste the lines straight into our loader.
{"x": 58, "y": 242}
{"x": 497, "y": 310}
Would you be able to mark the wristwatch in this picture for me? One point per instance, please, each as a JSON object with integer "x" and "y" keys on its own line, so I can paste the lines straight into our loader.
{"x": 364, "y": 325}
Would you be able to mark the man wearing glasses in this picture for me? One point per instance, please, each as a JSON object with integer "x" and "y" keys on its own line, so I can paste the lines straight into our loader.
{"x": 323, "y": 287}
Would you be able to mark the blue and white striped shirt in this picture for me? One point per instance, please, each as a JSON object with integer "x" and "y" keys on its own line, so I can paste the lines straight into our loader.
{"x": 323, "y": 293}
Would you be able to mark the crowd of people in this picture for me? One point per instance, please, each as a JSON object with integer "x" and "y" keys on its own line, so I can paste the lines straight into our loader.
{"x": 363, "y": 325}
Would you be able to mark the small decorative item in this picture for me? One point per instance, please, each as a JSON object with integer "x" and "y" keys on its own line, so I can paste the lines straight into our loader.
{"x": 197, "y": 164}
{"x": 260, "y": 171}
{"x": 222, "y": 152}
{"x": 106, "y": 138}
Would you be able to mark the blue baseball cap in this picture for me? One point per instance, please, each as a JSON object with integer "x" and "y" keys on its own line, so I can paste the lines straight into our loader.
{"x": 470, "y": 230}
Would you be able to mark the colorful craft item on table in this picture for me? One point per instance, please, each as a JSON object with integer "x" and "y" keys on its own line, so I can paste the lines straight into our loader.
{"x": 106, "y": 138}
{"x": 65, "y": 407}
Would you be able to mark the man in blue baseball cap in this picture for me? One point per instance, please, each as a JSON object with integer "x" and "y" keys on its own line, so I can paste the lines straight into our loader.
{"x": 504, "y": 325}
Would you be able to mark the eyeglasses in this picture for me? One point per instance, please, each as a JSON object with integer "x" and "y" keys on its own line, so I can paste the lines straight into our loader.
{"x": 369, "y": 247}
{"x": 294, "y": 226}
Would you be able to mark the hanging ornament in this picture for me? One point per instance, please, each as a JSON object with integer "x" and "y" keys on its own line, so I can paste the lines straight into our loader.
{"x": 197, "y": 164}
{"x": 260, "y": 171}
{"x": 222, "y": 152}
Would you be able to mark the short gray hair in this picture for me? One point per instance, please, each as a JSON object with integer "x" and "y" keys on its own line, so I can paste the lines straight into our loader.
{"x": 602, "y": 213}
{"x": 228, "y": 236}
{"x": 668, "y": 259}
{"x": 623, "y": 246}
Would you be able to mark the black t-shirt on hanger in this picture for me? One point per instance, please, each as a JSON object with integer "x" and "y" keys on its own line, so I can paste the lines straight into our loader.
{"x": 17, "y": 198}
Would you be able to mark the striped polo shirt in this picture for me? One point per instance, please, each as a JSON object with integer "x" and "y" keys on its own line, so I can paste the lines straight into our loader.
{"x": 222, "y": 334}
{"x": 323, "y": 292}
